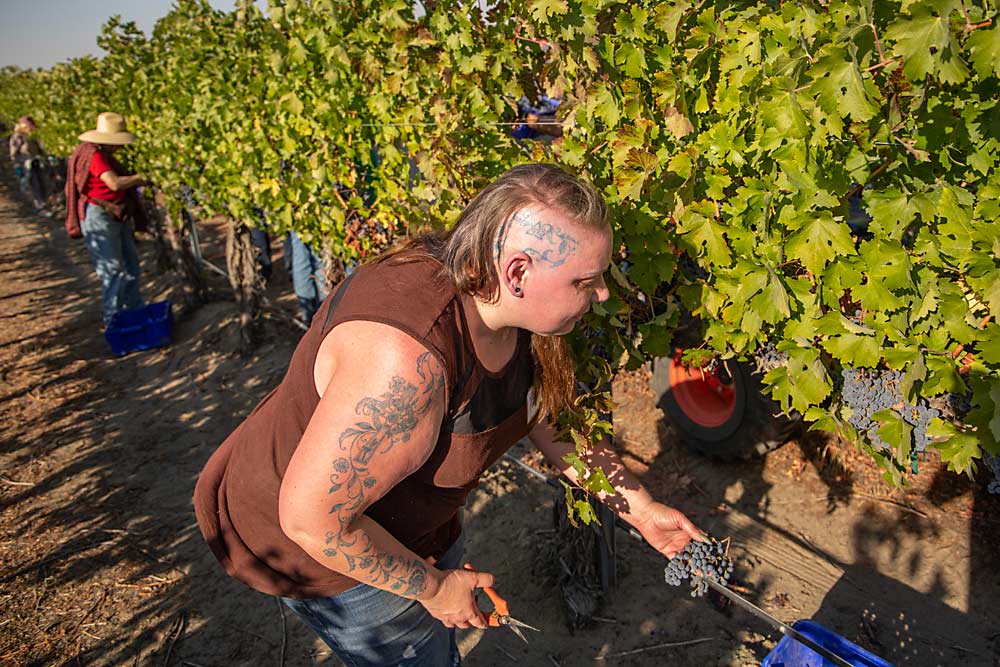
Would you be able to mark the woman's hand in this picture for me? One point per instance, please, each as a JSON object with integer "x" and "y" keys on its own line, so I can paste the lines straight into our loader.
{"x": 454, "y": 602}
{"x": 667, "y": 530}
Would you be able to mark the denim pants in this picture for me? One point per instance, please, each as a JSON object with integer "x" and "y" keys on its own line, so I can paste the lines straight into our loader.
{"x": 112, "y": 249}
{"x": 368, "y": 627}
{"x": 307, "y": 276}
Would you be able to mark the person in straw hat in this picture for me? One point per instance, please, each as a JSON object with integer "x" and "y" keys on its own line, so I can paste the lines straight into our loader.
{"x": 101, "y": 199}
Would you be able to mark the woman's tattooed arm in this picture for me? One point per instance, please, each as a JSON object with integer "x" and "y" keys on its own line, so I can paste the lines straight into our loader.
{"x": 384, "y": 422}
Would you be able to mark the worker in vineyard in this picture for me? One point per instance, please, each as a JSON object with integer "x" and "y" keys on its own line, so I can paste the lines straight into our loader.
{"x": 342, "y": 490}
{"x": 30, "y": 161}
{"x": 307, "y": 272}
{"x": 539, "y": 120}
{"x": 101, "y": 206}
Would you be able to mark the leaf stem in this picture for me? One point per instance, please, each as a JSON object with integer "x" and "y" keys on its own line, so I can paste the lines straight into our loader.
{"x": 969, "y": 25}
{"x": 878, "y": 42}
{"x": 882, "y": 64}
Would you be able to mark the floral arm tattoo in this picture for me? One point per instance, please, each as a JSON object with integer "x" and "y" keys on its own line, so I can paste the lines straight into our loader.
{"x": 552, "y": 245}
{"x": 391, "y": 419}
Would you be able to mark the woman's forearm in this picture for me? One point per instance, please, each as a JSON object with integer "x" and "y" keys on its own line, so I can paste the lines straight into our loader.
{"x": 128, "y": 182}
{"x": 365, "y": 551}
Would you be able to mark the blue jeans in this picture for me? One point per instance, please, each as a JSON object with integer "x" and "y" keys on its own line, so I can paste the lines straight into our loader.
{"x": 112, "y": 249}
{"x": 307, "y": 277}
{"x": 368, "y": 627}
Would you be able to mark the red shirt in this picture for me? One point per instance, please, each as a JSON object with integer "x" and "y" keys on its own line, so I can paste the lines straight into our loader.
{"x": 95, "y": 186}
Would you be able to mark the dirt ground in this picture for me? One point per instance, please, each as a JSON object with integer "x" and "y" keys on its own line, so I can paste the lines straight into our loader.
{"x": 101, "y": 562}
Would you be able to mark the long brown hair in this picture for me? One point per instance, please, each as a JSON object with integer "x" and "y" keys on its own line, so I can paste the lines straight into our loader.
{"x": 468, "y": 255}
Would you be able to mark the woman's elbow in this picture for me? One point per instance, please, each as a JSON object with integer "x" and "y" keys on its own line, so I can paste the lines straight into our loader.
{"x": 290, "y": 516}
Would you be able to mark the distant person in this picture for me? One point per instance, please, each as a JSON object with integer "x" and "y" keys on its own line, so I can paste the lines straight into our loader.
{"x": 307, "y": 272}
{"x": 540, "y": 122}
{"x": 30, "y": 161}
{"x": 101, "y": 194}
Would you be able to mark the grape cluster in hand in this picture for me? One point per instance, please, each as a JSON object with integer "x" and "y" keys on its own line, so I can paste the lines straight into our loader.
{"x": 707, "y": 559}
{"x": 869, "y": 391}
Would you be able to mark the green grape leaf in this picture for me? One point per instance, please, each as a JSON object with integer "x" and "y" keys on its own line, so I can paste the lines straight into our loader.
{"x": 818, "y": 241}
{"x": 958, "y": 448}
{"x": 840, "y": 87}
{"x": 925, "y": 44}
{"x": 895, "y": 432}
{"x": 854, "y": 350}
{"x": 705, "y": 235}
{"x": 984, "y": 51}
{"x": 542, "y": 10}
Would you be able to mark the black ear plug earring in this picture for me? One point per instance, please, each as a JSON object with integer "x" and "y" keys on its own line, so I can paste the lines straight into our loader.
{"x": 517, "y": 290}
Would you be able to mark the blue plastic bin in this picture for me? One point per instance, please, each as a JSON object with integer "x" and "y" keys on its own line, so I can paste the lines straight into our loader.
{"x": 140, "y": 328}
{"x": 790, "y": 653}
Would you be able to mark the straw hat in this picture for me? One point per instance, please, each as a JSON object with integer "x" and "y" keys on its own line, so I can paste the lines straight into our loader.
{"x": 110, "y": 131}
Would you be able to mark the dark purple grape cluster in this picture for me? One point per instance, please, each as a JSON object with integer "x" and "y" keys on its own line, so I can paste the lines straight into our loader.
{"x": 768, "y": 358}
{"x": 699, "y": 559}
{"x": 993, "y": 462}
{"x": 866, "y": 392}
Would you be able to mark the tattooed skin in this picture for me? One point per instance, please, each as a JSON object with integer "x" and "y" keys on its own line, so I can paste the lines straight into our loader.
{"x": 555, "y": 246}
{"x": 391, "y": 420}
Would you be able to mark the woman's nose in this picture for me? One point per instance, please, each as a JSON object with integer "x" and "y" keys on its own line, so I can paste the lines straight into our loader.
{"x": 601, "y": 293}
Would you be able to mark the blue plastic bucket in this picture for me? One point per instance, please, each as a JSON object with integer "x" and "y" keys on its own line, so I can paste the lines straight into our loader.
{"x": 140, "y": 328}
{"x": 790, "y": 653}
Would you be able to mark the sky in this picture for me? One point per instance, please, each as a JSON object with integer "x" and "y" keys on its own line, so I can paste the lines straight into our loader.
{"x": 40, "y": 33}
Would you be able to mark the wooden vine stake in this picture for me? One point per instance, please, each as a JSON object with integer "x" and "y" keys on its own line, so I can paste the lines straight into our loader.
{"x": 241, "y": 265}
{"x": 164, "y": 262}
{"x": 178, "y": 236}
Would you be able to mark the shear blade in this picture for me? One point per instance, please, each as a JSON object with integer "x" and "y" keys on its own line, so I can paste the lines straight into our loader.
{"x": 521, "y": 624}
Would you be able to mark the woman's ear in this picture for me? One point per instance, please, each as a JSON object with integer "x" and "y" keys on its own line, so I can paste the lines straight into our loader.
{"x": 514, "y": 273}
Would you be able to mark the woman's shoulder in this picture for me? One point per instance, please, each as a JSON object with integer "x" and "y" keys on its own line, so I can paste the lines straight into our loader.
{"x": 413, "y": 290}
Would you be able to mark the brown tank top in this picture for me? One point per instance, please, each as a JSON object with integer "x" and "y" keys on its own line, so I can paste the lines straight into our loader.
{"x": 236, "y": 498}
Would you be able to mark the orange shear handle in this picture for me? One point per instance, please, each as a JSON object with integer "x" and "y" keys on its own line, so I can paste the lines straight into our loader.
{"x": 500, "y": 607}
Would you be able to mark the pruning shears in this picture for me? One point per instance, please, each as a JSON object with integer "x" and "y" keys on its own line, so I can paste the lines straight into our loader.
{"x": 500, "y": 616}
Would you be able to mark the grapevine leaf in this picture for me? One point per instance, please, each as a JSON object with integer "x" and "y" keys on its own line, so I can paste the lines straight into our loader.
{"x": 891, "y": 211}
{"x": 818, "y": 241}
{"x": 705, "y": 236}
{"x": 854, "y": 350}
{"x": 917, "y": 372}
{"x": 895, "y": 432}
{"x": 837, "y": 81}
{"x": 984, "y": 51}
{"x": 820, "y": 419}
{"x": 632, "y": 60}
{"x": 942, "y": 377}
{"x": 680, "y": 164}
{"x": 676, "y": 122}
{"x": 570, "y": 504}
{"x": 586, "y": 512}
{"x": 541, "y": 10}
{"x": 802, "y": 382}
{"x": 958, "y": 448}
{"x": 923, "y": 39}
{"x": 629, "y": 179}
{"x": 988, "y": 346}
{"x": 597, "y": 482}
